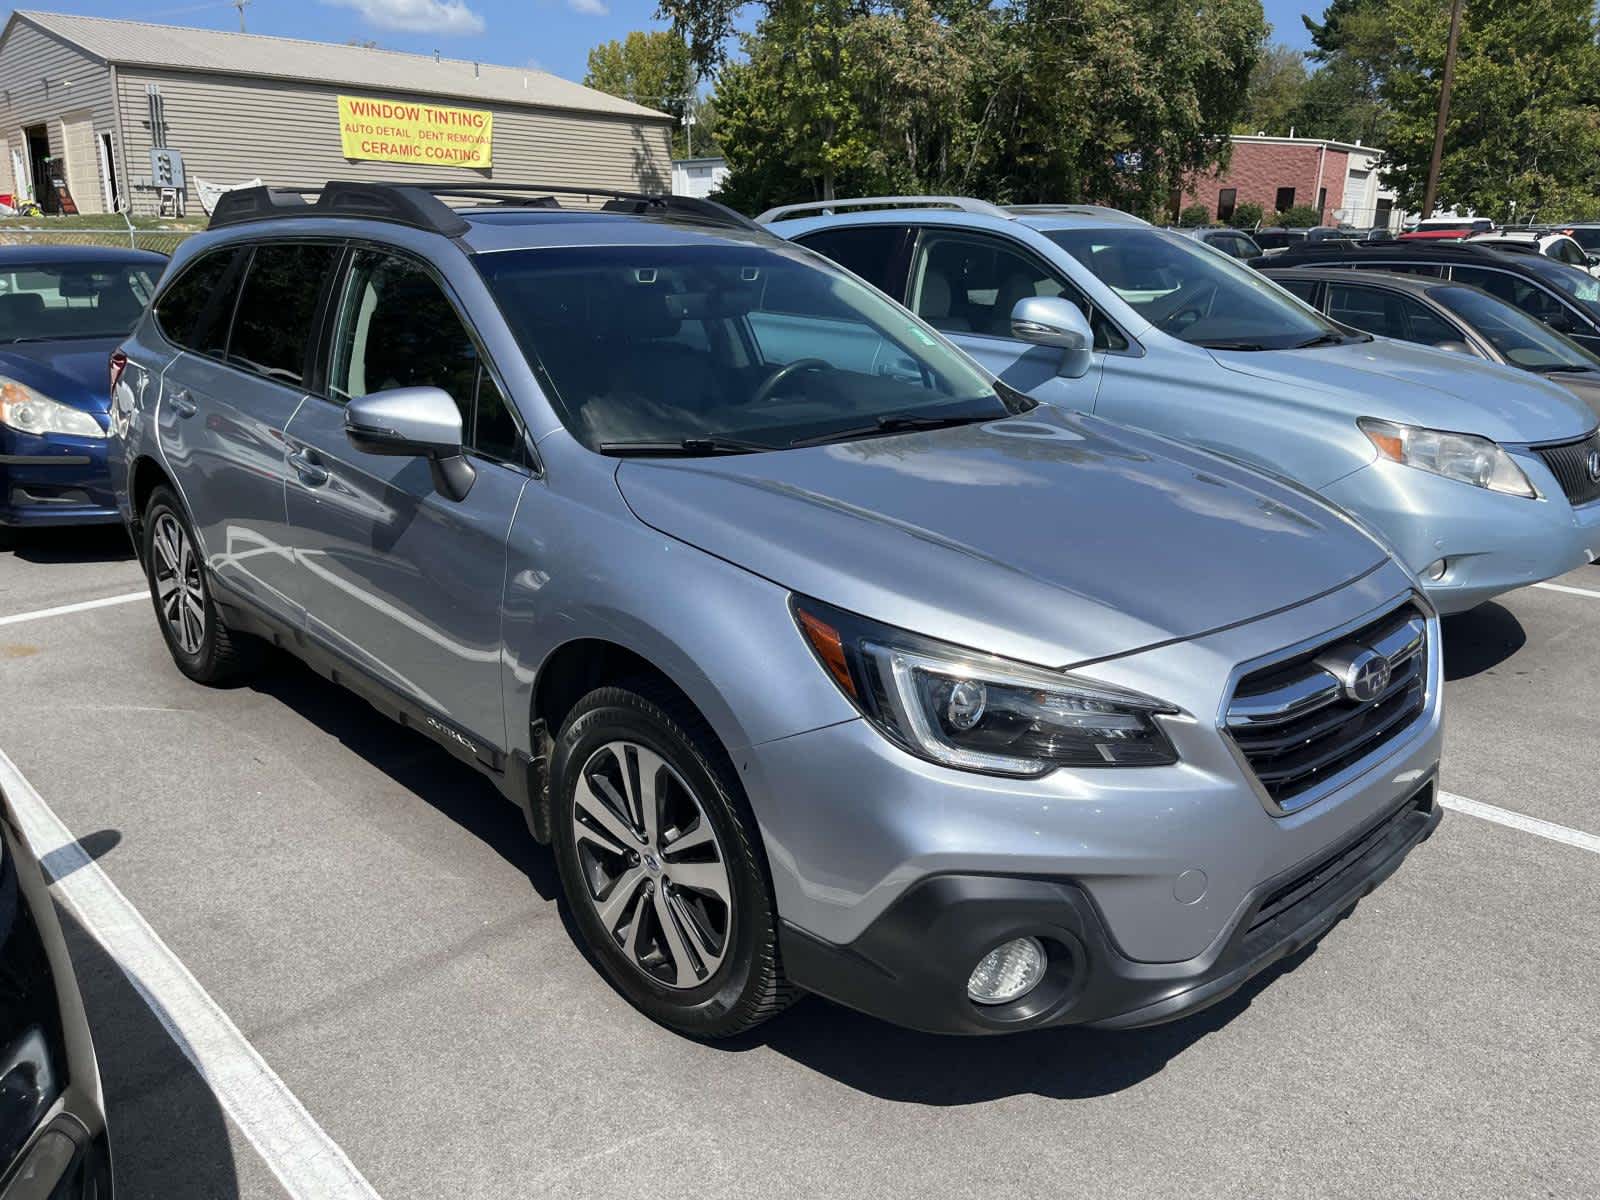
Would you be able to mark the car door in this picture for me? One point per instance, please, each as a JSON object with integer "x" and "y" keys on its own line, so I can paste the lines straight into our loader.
{"x": 243, "y": 317}
{"x": 966, "y": 283}
{"x": 396, "y": 579}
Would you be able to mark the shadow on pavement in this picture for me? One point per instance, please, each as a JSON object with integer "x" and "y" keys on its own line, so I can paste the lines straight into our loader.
{"x": 1480, "y": 640}
{"x": 70, "y": 544}
{"x": 413, "y": 762}
{"x": 898, "y": 1064}
{"x": 169, "y": 1138}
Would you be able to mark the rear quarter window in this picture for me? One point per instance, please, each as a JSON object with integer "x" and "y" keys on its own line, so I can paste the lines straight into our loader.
{"x": 194, "y": 310}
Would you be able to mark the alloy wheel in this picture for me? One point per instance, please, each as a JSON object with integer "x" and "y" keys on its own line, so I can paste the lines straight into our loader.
{"x": 177, "y": 582}
{"x": 652, "y": 866}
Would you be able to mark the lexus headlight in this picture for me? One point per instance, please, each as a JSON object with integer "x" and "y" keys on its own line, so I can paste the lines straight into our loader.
{"x": 1459, "y": 456}
{"x": 978, "y": 712}
{"x": 28, "y": 411}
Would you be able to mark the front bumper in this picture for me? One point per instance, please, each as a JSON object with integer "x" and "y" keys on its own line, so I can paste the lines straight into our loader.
{"x": 911, "y": 965}
{"x": 1491, "y": 542}
{"x": 54, "y": 480}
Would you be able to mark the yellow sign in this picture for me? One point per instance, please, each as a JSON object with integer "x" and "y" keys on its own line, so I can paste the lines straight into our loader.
{"x": 404, "y": 131}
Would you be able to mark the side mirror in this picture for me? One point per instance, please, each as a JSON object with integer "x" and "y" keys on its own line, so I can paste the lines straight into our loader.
{"x": 1052, "y": 321}
{"x": 1454, "y": 345}
{"x": 1594, "y": 259}
{"x": 414, "y": 422}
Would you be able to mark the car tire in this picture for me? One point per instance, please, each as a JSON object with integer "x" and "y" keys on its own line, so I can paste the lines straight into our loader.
{"x": 696, "y": 964}
{"x": 202, "y": 645}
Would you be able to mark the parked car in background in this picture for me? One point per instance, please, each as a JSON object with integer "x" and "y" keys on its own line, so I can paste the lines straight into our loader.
{"x": 53, "y": 1140}
{"x": 825, "y": 660}
{"x": 63, "y": 309}
{"x": 1586, "y": 235}
{"x": 1446, "y": 316}
{"x": 1563, "y": 297}
{"x": 1446, "y": 229}
{"x": 1274, "y": 239}
{"x": 1462, "y": 465}
{"x": 1559, "y": 246}
{"x": 1235, "y": 243}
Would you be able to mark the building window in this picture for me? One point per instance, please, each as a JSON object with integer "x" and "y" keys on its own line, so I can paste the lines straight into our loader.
{"x": 1225, "y": 201}
{"x": 1322, "y": 201}
{"x": 1285, "y": 199}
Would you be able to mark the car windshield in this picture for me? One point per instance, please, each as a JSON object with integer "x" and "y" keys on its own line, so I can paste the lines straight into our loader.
{"x": 46, "y": 301}
{"x": 1524, "y": 341}
{"x": 1578, "y": 285}
{"x": 1195, "y": 294}
{"x": 726, "y": 348}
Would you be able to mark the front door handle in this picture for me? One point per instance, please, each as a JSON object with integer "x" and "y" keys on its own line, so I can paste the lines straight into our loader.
{"x": 183, "y": 404}
{"x": 305, "y": 464}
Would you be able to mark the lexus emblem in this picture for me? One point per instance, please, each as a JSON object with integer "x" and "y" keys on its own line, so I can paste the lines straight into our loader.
{"x": 1365, "y": 679}
{"x": 1594, "y": 466}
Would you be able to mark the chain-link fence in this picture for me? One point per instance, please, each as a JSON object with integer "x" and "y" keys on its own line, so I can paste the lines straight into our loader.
{"x": 44, "y": 231}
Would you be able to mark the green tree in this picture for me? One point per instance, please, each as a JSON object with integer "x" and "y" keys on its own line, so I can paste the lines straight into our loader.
{"x": 1194, "y": 216}
{"x": 1354, "y": 47}
{"x": 833, "y": 96}
{"x": 1524, "y": 122}
{"x": 1277, "y": 87}
{"x": 652, "y": 69}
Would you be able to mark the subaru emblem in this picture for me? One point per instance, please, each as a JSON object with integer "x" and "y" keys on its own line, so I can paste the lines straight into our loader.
{"x": 1366, "y": 678}
{"x": 1594, "y": 466}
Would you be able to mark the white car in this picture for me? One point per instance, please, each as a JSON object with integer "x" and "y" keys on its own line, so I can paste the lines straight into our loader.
{"x": 1562, "y": 247}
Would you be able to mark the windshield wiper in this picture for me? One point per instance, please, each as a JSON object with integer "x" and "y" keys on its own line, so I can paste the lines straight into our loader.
{"x": 1565, "y": 369}
{"x": 1327, "y": 339}
{"x": 1214, "y": 345}
{"x": 689, "y": 447}
{"x": 898, "y": 423}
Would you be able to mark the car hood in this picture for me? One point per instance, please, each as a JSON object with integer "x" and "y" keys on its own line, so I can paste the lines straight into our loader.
{"x": 74, "y": 371}
{"x": 1052, "y": 537}
{"x": 1584, "y": 385}
{"x": 1418, "y": 385}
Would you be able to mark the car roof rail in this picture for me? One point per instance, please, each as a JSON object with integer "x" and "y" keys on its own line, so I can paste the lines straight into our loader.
{"x": 420, "y": 206}
{"x": 1083, "y": 210}
{"x": 961, "y": 203}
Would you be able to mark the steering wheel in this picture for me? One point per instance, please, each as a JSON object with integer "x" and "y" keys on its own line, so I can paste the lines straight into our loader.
{"x": 770, "y": 385}
{"x": 1190, "y": 309}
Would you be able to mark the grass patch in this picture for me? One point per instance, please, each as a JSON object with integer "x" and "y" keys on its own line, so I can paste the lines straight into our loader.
{"x": 100, "y": 221}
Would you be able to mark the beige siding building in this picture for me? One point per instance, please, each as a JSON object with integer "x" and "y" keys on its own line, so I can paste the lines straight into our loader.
{"x": 84, "y": 100}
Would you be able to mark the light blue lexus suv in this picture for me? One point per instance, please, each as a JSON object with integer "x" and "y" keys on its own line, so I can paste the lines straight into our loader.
{"x": 1482, "y": 478}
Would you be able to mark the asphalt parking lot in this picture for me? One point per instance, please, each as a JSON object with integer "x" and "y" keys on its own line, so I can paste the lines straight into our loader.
{"x": 410, "y": 1018}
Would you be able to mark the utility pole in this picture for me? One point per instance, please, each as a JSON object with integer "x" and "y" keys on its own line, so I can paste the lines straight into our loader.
{"x": 1444, "y": 110}
{"x": 239, "y": 4}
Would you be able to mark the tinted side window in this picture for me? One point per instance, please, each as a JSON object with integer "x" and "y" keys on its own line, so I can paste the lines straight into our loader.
{"x": 272, "y": 328}
{"x": 1366, "y": 309}
{"x": 1534, "y": 301}
{"x": 877, "y": 253}
{"x": 193, "y": 312}
{"x": 1426, "y": 326}
{"x": 1306, "y": 289}
{"x": 396, "y": 328}
{"x": 970, "y": 284}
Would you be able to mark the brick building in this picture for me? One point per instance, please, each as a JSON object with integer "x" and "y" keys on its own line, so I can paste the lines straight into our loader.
{"x": 1338, "y": 179}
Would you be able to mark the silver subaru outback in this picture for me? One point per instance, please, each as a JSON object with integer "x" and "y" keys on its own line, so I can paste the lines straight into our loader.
{"x": 824, "y": 661}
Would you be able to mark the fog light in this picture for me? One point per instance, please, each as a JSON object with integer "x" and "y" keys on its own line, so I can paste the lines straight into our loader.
{"x": 1008, "y": 972}
{"x": 1434, "y": 571}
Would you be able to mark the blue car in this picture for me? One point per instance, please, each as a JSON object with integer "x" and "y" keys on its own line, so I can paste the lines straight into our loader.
{"x": 63, "y": 310}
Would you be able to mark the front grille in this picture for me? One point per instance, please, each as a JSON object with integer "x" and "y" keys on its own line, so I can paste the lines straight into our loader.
{"x": 1299, "y": 721}
{"x": 1569, "y": 463}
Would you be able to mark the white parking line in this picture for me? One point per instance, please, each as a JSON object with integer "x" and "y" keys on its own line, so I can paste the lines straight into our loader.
{"x": 1569, "y": 589}
{"x": 307, "y": 1162}
{"x": 62, "y": 610}
{"x": 1516, "y": 820}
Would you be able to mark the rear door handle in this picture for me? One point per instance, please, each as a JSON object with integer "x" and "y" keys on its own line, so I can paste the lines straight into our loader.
{"x": 305, "y": 464}
{"x": 183, "y": 404}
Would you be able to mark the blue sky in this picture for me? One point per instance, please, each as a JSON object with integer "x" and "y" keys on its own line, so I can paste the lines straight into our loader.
{"x": 552, "y": 34}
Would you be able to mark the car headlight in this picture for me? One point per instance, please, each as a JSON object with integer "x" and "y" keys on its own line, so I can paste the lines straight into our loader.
{"x": 1459, "y": 456}
{"x": 978, "y": 712}
{"x": 28, "y": 411}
